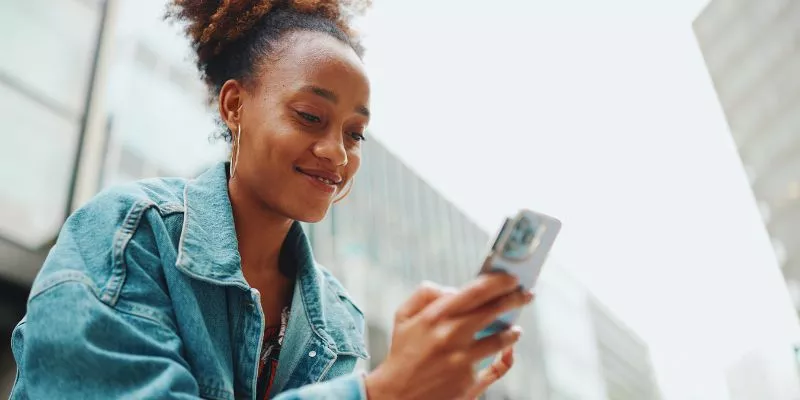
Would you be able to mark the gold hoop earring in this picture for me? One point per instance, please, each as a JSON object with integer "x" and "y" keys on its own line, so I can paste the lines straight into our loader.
{"x": 235, "y": 160}
{"x": 349, "y": 188}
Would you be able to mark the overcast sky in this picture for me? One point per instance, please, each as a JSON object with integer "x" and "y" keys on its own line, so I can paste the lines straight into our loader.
{"x": 603, "y": 114}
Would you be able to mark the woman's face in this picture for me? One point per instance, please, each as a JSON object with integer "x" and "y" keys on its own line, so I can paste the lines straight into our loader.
{"x": 302, "y": 123}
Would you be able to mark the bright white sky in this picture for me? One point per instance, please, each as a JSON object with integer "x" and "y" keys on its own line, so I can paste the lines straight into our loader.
{"x": 603, "y": 114}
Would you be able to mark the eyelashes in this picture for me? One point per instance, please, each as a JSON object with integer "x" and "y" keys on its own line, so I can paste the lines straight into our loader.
{"x": 309, "y": 117}
{"x": 313, "y": 119}
{"x": 358, "y": 137}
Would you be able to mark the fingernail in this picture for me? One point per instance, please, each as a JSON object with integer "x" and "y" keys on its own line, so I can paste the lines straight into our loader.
{"x": 529, "y": 296}
{"x": 516, "y": 331}
{"x": 431, "y": 284}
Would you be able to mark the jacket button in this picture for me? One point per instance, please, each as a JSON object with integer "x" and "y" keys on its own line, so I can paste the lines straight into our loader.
{"x": 312, "y": 353}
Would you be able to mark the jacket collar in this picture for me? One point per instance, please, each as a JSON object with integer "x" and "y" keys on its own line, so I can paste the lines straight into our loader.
{"x": 208, "y": 250}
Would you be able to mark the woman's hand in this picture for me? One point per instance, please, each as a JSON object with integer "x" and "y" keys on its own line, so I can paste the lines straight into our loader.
{"x": 434, "y": 350}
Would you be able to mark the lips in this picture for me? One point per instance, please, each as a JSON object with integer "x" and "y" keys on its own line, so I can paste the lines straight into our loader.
{"x": 327, "y": 178}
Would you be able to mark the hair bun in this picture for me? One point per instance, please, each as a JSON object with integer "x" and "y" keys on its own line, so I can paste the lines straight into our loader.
{"x": 212, "y": 24}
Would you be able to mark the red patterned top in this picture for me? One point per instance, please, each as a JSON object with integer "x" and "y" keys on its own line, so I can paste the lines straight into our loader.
{"x": 270, "y": 350}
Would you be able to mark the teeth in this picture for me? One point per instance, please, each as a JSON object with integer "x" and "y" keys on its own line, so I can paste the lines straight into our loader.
{"x": 326, "y": 181}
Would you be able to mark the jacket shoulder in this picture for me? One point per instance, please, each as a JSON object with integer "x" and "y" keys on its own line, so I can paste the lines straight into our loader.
{"x": 165, "y": 194}
{"x": 92, "y": 242}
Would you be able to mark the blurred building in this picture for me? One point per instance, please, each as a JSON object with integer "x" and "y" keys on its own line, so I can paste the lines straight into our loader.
{"x": 110, "y": 94}
{"x": 559, "y": 332}
{"x": 394, "y": 230}
{"x": 752, "y": 50}
{"x": 159, "y": 119}
{"x": 624, "y": 358}
{"x": 50, "y": 62}
{"x": 579, "y": 349}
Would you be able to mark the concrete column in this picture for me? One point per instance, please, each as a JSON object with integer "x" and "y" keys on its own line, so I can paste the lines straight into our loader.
{"x": 90, "y": 165}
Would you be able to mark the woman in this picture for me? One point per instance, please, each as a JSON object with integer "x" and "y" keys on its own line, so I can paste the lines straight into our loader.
{"x": 174, "y": 289}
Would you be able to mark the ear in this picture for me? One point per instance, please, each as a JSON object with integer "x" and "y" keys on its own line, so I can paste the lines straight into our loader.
{"x": 231, "y": 100}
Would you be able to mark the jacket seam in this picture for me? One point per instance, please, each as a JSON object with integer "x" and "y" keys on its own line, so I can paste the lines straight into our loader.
{"x": 60, "y": 278}
{"x": 18, "y": 372}
{"x": 181, "y": 256}
{"x": 113, "y": 288}
{"x": 337, "y": 288}
{"x": 169, "y": 208}
{"x": 330, "y": 344}
{"x": 345, "y": 299}
{"x": 150, "y": 318}
{"x": 215, "y": 392}
{"x": 327, "y": 368}
{"x": 78, "y": 277}
{"x": 313, "y": 326}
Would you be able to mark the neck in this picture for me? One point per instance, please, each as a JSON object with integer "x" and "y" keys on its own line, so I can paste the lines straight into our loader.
{"x": 261, "y": 233}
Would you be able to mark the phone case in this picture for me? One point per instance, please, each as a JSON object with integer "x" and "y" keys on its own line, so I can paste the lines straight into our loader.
{"x": 520, "y": 248}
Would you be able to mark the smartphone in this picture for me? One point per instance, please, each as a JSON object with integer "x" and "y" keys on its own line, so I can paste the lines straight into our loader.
{"x": 520, "y": 248}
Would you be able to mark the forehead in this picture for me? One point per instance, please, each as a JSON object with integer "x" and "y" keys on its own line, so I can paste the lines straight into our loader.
{"x": 303, "y": 58}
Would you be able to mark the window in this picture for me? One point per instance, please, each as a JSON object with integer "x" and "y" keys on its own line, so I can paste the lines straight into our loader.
{"x": 42, "y": 96}
{"x": 36, "y": 161}
{"x": 58, "y": 68}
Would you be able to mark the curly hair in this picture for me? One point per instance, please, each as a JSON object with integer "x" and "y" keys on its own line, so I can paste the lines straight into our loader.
{"x": 231, "y": 37}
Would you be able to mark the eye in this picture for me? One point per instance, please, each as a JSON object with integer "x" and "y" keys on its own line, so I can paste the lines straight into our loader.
{"x": 309, "y": 117}
{"x": 358, "y": 137}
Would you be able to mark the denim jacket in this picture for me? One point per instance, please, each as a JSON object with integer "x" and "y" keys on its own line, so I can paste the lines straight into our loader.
{"x": 143, "y": 297}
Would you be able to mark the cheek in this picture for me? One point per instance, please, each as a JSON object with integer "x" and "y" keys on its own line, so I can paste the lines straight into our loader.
{"x": 354, "y": 163}
{"x": 265, "y": 125}
{"x": 275, "y": 143}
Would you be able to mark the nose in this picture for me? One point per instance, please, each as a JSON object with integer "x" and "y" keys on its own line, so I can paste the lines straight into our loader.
{"x": 331, "y": 148}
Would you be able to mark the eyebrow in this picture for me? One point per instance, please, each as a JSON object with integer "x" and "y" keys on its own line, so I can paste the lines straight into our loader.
{"x": 333, "y": 98}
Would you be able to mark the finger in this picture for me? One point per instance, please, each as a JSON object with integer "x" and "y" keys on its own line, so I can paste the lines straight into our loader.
{"x": 488, "y": 313}
{"x": 492, "y": 345}
{"x": 482, "y": 290}
{"x": 507, "y": 357}
{"x": 425, "y": 294}
{"x": 487, "y": 377}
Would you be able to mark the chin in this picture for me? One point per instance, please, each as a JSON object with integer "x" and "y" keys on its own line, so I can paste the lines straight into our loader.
{"x": 310, "y": 214}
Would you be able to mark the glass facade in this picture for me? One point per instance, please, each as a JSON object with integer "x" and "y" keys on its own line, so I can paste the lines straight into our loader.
{"x": 45, "y": 73}
{"x": 159, "y": 122}
{"x": 43, "y": 89}
{"x": 623, "y": 358}
{"x": 568, "y": 345}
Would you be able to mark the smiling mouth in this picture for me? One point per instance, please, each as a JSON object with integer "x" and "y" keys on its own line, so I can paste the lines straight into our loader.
{"x": 325, "y": 180}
